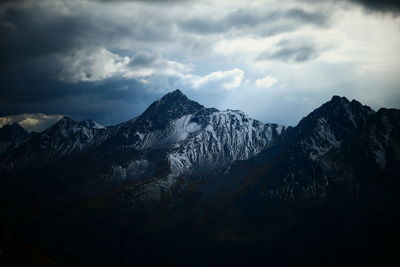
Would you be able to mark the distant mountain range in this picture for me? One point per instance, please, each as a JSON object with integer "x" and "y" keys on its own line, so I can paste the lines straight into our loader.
{"x": 190, "y": 185}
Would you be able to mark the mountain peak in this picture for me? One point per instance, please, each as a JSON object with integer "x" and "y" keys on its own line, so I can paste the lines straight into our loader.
{"x": 338, "y": 97}
{"x": 176, "y": 92}
{"x": 67, "y": 121}
{"x": 339, "y": 114}
{"x": 93, "y": 124}
{"x": 171, "y": 106}
{"x": 14, "y": 126}
{"x": 174, "y": 95}
{"x": 9, "y": 131}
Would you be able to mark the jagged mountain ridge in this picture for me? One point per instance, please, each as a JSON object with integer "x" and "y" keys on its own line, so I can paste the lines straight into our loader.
{"x": 325, "y": 187}
{"x": 64, "y": 138}
{"x": 340, "y": 141}
{"x": 176, "y": 137}
{"x": 173, "y": 137}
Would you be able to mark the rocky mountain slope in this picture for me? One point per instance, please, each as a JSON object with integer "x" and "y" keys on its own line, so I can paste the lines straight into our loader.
{"x": 187, "y": 185}
{"x": 174, "y": 138}
{"x": 340, "y": 143}
{"x": 195, "y": 139}
{"x": 66, "y": 137}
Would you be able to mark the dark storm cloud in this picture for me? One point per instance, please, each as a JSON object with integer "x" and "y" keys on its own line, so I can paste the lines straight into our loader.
{"x": 291, "y": 51}
{"x": 108, "y": 60}
{"x": 26, "y": 33}
{"x": 109, "y": 101}
{"x": 38, "y": 38}
{"x": 247, "y": 19}
{"x": 385, "y": 6}
{"x": 145, "y": 1}
{"x": 35, "y": 30}
{"x": 380, "y": 5}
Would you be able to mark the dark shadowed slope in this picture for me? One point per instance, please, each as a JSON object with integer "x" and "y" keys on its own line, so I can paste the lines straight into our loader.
{"x": 11, "y": 135}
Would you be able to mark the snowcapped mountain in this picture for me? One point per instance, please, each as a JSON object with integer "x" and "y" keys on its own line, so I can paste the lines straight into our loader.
{"x": 175, "y": 137}
{"x": 338, "y": 142}
{"x": 223, "y": 137}
{"x": 196, "y": 139}
{"x": 92, "y": 124}
{"x": 182, "y": 183}
{"x": 11, "y": 135}
{"x": 66, "y": 137}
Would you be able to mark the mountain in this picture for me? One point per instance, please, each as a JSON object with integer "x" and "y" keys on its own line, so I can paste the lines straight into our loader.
{"x": 183, "y": 184}
{"x": 325, "y": 193}
{"x": 66, "y": 137}
{"x": 92, "y": 124}
{"x": 11, "y": 135}
{"x": 339, "y": 142}
{"x": 189, "y": 140}
{"x": 174, "y": 138}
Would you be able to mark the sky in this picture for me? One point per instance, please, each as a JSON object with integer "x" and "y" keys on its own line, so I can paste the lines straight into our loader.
{"x": 275, "y": 60}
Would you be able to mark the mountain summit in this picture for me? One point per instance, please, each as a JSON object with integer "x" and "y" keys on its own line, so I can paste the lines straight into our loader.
{"x": 171, "y": 106}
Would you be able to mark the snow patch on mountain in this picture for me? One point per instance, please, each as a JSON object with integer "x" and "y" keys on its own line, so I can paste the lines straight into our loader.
{"x": 227, "y": 136}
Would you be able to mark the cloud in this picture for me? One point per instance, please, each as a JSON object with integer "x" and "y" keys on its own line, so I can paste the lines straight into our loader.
{"x": 90, "y": 65}
{"x": 66, "y": 26}
{"x": 98, "y": 63}
{"x": 108, "y": 60}
{"x": 384, "y": 6}
{"x": 392, "y": 6}
{"x": 226, "y": 80}
{"x": 291, "y": 51}
{"x": 31, "y": 122}
{"x": 146, "y": 1}
{"x": 250, "y": 19}
{"x": 266, "y": 82}
{"x": 146, "y": 64}
{"x": 144, "y": 58}
{"x": 4, "y": 121}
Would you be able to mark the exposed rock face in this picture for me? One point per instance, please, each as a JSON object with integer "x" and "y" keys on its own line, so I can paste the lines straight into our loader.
{"x": 340, "y": 141}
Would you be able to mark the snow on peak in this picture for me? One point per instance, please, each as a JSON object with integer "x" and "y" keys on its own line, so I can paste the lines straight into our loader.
{"x": 93, "y": 124}
{"x": 223, "y": 137}
{"x": 170, "y": 107}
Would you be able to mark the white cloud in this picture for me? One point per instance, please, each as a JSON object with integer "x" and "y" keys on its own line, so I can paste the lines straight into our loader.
{"x": 205, "y": 56}
{"x": 226, "y": 80}
{"x": 90, "y": 65}
{"x": 266, "y": 82}
{"x": 145, "y": 64}
{"x": 4, "y": 121}
{"x": 28, "y": 122}
{"x": 148, "y": 68}
{"x": 31, "y": 122}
